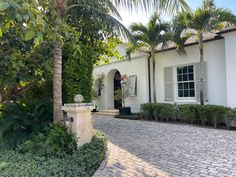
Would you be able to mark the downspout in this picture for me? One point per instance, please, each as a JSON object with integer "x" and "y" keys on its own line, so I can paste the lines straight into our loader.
{"x": 149, "y": 79}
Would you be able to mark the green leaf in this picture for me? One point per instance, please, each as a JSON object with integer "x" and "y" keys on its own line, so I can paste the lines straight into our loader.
{"x": 0, "y": 32}
{"x": 4, "y": 6}
{"x": 29, "y": 35}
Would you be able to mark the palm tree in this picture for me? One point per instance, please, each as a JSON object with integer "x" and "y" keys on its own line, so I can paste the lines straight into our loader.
{"x": 206, "y": 19}
{"x": 149, "y": 37}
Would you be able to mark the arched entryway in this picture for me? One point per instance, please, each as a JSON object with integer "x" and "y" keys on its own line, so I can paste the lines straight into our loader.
{"x": 113, "y": 84}
{"x": 117, "y": 88}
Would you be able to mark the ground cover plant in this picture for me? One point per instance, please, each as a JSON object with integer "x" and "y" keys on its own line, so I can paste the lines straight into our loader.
{"x": 83, "y": 162}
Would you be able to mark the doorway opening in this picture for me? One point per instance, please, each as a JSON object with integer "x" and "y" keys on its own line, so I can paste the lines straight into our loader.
{"x": 117, "y": 87}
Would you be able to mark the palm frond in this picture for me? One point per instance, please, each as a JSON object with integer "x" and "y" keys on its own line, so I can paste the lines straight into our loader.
{"x": 117, "y": 25}
{"x": 225, "y": 15}
{"x": 142, "y": 38}
{"x": 208, "y": 4}
{"x": 138, "y": 28}
{"x": 173, "y": 6}
{"x": 131, "y": 5}
{"x": 132, "y": 48}
{"x": 169, "y": 7}
{"x": 207, "y": 18}
{"x": 108, "y": 3}
{"x": 155, "y": 33}
{"x": 179, "y": 25}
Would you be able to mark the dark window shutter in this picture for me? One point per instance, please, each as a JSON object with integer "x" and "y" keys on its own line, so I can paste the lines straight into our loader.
{"x": 198, "y": 79}
{"x": 169, "y": 84}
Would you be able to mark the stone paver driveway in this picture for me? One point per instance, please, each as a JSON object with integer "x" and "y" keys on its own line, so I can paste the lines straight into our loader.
{"x": 140, "y": 148}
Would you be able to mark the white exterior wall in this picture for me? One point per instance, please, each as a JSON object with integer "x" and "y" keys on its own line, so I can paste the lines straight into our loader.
{"x": 219, "y": 55}
{"x": 214, "y": 55}
{"x": 230, "y": 55}
{"x": 138, "y": 67}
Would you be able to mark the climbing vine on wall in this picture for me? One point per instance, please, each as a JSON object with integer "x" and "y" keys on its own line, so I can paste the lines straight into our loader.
{"x": 78, "y": 62}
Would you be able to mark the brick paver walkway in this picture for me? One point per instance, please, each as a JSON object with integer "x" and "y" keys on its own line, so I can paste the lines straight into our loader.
{"x": 140, "y": 148}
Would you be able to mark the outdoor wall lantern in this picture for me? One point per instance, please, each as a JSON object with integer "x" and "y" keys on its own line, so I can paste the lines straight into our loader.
{"x": 67, "y": 120}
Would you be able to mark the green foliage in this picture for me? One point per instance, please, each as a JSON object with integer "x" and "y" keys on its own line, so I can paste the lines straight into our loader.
{"x": 55, "y": 141}
{"x": 188, "y": 113}
{"x": 151, "y": 35}
{"x": 212, "y": 115}
{"x": 208, "y": 18}
{"x": 231, "y": 113}
{"x": 78, "y": 62}
{"x": 82, "y": 163}
{"x": 20, "y": 119}
{"x": 146, "y": 111}
{"x": 122, "y": 94}
{"x": 22, "y": 66}
{"x": 166, "y": 111}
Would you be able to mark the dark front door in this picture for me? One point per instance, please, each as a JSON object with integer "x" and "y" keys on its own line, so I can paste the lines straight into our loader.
{"x": 117, "y": 86}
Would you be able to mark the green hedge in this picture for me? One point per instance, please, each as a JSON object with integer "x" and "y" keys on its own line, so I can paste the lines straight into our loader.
{"x": 78, "y": 62}
{"x": 82, "y": 163}
{"x": 211, "y": 115}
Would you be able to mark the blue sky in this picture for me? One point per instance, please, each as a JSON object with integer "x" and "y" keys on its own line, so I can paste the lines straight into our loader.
{"x": 128, "y": 17}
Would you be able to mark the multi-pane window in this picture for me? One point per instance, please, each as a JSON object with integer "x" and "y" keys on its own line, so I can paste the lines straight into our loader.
{"x": 185, "y": 80}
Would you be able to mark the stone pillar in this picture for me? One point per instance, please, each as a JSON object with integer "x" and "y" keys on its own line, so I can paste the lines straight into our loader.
{"x": 81, "y": 121}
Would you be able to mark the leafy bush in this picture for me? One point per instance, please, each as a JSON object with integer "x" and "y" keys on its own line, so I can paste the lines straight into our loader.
{"x": 164, "y": 111}
{"x": 82, "y": 163}
{"x": 20, "y": 119}
{"x": 212, "y": 114}
{"x": 55, "y": 141}
{"x": 230, "y": 115}
{"x": 188, "y": 113}
{"x": 147, "y": 111}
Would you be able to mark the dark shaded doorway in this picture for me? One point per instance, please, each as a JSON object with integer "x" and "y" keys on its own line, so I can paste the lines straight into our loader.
{"x": 117, "y": 86}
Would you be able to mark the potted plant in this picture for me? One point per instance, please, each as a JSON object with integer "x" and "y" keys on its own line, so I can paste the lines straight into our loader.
{"x": 122, "y": 94}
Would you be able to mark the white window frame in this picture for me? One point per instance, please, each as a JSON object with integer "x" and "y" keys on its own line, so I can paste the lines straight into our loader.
{"x": 136, "y": 84}
{"x": 187, "y": 99}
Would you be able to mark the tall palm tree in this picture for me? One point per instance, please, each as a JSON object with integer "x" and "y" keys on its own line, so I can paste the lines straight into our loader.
{"x": 206, "y": 19}
{"x": 149, "y": 37}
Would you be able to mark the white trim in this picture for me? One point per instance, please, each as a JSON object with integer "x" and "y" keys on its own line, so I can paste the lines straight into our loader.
{"x": 176, "y": 95}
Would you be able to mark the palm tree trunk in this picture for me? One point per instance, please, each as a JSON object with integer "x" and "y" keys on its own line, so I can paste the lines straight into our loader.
{"x": 201, "y": 70}
{"x": 57, "y": 82}
{"x": 154, "y": 75}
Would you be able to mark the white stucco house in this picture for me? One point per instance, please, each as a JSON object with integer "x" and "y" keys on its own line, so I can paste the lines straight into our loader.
{"x": 177, "y": 76}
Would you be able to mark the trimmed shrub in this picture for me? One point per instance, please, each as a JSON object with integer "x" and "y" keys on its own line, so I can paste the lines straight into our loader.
{"x": 82, "y": 163}
{"x": 164, "y": 111}
{"x": 147, "y": 111}
{"x": 230, "y": 116}
{"x": 212, "y": 115}
{"x": 187, "y": 113}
